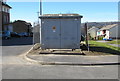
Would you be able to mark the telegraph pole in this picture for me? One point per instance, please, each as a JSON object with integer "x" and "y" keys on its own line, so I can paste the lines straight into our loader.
{"x": 40, "y": 7}
{"x": 41, "y": 19}
{"x": 38, "y": 16}
{"x": 86, "y": 35}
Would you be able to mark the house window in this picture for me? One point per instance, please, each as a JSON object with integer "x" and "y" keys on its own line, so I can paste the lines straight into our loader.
{"x": 7, "y": 10}
{"x": 3, "y": 8}
{"x": 104, "y": 31}
{"x": 5, "y": 19}
{"x": 98, "y": 33}
{"x": 0, "y": 8}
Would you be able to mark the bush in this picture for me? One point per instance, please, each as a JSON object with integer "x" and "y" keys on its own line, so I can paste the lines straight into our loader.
{"x": 100, "y": 37}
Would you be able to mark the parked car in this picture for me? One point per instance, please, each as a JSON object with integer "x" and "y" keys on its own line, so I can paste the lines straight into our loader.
{"x": 23, "y": 34}
{"x": 14, "y": 34}
{"x": 0, "y": 35}
{"x": 5, "y": 34}
{"x": 31, "y": 34}
{"x": 107, "y": 39}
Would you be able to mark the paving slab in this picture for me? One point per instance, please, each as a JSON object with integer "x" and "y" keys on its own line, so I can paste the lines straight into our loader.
{"x": 74, "y": 59}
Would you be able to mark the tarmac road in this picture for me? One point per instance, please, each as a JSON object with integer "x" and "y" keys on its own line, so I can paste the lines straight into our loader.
{"x": 14, "y": 67}
{"x": 36, "y": 71}
{"x": 13, "y": 47}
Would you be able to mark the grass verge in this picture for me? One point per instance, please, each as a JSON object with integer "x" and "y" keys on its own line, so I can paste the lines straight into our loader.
{"x": 103, "y": 47}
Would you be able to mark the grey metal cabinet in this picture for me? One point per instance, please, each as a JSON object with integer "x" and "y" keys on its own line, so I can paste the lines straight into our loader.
{"x": 60, "y": 32}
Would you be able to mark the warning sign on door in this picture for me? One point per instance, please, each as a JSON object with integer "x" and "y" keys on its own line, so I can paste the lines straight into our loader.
{"x": 54, "y": 29}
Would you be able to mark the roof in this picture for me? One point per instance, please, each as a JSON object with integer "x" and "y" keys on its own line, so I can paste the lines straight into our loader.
{"x": 108, "y": 27}
{"x": 6, "y": 5}
{"x": 93, "y": 28}
{"x": 61, "y": 16}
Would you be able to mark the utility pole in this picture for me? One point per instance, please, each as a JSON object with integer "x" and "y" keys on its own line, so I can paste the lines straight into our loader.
{"x": 40, "y": 7}
{"x": 86, "y": 35}
{"x": 38, "y": 16}
{"x": 41, "y": 19}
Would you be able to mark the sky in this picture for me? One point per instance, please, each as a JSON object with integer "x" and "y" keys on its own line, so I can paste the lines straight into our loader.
{"x": 91, "y": 11}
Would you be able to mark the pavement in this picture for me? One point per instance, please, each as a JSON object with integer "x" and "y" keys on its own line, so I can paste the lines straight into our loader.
{"x": 103, "y": 41}
{"x": 116, "y": 45}
{"x": 74, "y": 59}
{"x": 62, "y": 58}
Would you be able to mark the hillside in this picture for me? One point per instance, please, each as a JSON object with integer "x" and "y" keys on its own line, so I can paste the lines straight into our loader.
{"x": 96, "y": 24}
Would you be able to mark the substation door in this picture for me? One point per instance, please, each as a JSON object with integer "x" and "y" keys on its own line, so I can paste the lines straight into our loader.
{"x": 50, "y": 34}
{"x": 69, "y": 33}
{"x": 60, "y": 34}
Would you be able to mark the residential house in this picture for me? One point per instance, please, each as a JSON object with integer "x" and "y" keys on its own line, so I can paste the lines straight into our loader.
{"x": 109, "y": 31}
{"x": 20, "y": 26}
{"x": 4, "y": 16}
{"x": 92, "y": 32}
{"x": 0, "y": 16}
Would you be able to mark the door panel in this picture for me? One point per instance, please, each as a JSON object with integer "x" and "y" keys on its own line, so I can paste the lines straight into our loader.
{"x": 51, "y": 34}
{"x": 69, "y": 33}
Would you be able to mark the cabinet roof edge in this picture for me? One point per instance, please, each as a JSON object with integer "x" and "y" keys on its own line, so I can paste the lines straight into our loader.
{"x": 61, "y": 16}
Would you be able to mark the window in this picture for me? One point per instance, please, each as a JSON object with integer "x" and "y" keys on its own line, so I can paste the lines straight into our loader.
{"x": 5, "y": 9}
{"x": 0, "y": 8}
{"x": 104, "y": 31}
{"x": 5, "y": 19}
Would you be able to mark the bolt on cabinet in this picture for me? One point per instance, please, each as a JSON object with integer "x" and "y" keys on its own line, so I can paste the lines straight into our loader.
{"x": 60, "y": 32}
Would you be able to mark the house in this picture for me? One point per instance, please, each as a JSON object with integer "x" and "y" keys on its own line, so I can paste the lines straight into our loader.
{"x": 109, "y": 31}
{"x": 0, "y": 16}
{"x": 20, "y": 26}
{"x": 4, "y": 16}
{"x": 92, "y": 32}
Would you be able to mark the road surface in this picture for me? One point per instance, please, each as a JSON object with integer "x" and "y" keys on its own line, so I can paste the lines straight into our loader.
{"x": 14, "y": 67}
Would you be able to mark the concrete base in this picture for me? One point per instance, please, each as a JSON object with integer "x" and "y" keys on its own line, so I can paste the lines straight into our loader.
{"x": 78, "y": 50}
{"x": 52, "y": 51}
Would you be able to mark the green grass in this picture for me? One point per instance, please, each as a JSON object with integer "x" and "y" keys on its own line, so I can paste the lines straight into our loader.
{"x": 114, "y": 42}
{"x": 103, "y": 45}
